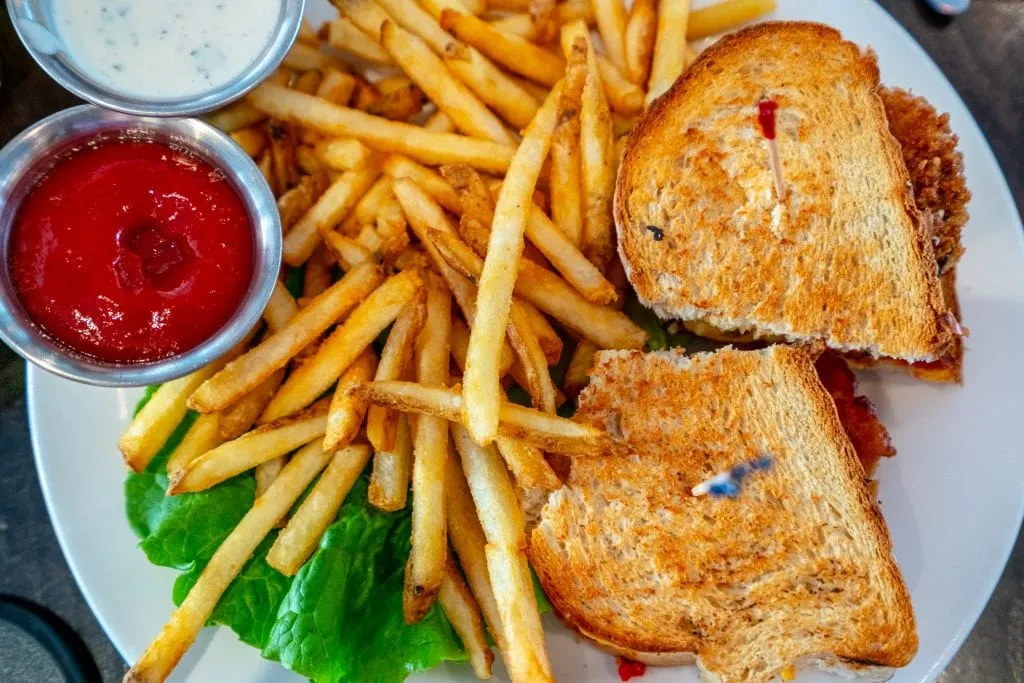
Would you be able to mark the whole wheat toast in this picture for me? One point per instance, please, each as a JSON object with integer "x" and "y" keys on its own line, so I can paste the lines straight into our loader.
{"x": 844, "y": 259}
{"x": 797, "y": 568}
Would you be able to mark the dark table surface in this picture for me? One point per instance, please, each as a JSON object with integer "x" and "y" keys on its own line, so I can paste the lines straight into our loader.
{"x": 982, "y": 53}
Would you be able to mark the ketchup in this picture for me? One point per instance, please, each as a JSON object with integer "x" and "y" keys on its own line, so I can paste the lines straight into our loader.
{"x": 766, "y": 117}
{"x": 629, "y": 669}
{"x": 131, "y": 250}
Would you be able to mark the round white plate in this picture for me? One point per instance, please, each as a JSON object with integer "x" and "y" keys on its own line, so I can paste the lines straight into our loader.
{"x": 953, "y": 497}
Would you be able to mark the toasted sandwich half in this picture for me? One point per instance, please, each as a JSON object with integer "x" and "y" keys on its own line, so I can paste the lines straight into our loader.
{"x": 845, "y": 257}
{"x": 796, "y": 569}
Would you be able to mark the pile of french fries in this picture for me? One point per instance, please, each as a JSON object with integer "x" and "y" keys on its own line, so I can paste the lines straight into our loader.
{"x": 431, "y": 151}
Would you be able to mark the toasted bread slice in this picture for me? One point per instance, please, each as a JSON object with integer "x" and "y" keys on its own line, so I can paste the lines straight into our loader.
{"x": 844, "y": 259}
{"x": 797, "y": 568}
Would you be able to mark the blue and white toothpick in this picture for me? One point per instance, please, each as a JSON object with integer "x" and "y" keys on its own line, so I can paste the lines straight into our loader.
{"x": 727, "y": 484}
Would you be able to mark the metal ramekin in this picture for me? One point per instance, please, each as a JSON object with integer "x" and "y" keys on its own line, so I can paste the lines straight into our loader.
{"x": 30, "y": 155}
{"x": 60, "y": 65}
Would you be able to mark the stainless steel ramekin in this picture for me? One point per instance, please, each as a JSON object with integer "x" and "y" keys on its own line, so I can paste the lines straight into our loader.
{"x": 33, "y": 21}
{"x": 30, "y": 155}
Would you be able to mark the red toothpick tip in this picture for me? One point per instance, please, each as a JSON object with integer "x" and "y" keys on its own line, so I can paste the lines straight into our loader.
{"x": 766, "y": 110}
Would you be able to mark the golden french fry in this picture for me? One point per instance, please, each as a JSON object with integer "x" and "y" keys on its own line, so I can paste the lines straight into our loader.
{"x": 495, "y": 498}
{"x": 249, "y": 450}
{"x": 464, "y": 615}
{"x": 163, "y": 654}
{"x": 567, "y": 259}
{"x": 343, "y": 35}
{"x": 332, "y": 205}
{"x": 624, "y": 96}
{"x": 669, "y": 59}
{"x": 346, "y": 413}
{"x": 430, "y": 453}
{"x": 266, "y": 166}
{"x": 303, "y": 57}
{"x": 203, "y": 435}
{"x": 243, "y": 374}
{"x": 381, "y": 423}
{"x": 725, "y": 15}
{"x": 546, "y": 334}
{"x": 611, "y": 25}
{"x": 390, "y": 220}
{"x": 316, "y": 278}
{"x": 343, "y": 154}
{"x": 509, "y": 5}
{"x": 521, "y": 23}
{"x": 309, "y": 81}
{"x": 282, "y": 154}
{"x": 280, "y": 308}
{"x": 240, "y": 417}
{"x": 460, "y": 344}
{"x": 336, "y": 86}
{"x": 532, "y": 359}
{"x": 527, "y": 464}
{"x": 497, "y": 279}
{"x": 511, "y": 51}
{"x": 400, "y": 166}
{"x": 577, "y": 375}
{"x": 439, "y": 123}
{"x": 492, "y": 85}
{"x": 349, "y": 252}
{"x": 251, "y": 139}
{"x": 476, "y": 205}
{"x": 343, "y": 346}
{"x": 517, "y": 607}
{"x": 369, "y": 206}
{"x": 424, "y": 145}
{"x": 293, "y": 204}
{"x": 641, "y": 29}
{"x": 307, "y": 161}
{"x": 467, "y": 538}
{"x": 300, "y": 537}
{"x": 389, "y": 480}
{"x": 266, "y": 473}
{"x": 158, "y": 419}
{"x": 307, "y": 34}
{"x": 566, "y": 183}
{"x": 542, "y": 14}
{"x": 235, "y": 117}
{"x": 543, "y": 430}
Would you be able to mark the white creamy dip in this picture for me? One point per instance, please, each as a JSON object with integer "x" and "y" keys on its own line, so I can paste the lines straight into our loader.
{"x": 165, "y": 49}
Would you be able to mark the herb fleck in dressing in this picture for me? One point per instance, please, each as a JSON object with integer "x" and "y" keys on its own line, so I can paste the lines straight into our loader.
{"x": 165, "y": 49}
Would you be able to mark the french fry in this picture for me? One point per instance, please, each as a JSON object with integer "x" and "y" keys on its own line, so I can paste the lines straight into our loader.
{"x": 381, "y": 423}
{"x": 343, "y": 154}
{"x": 367, "y": 208}
{"x": 203, "y": 435}
{"x": 511, "y": 51}
{"x": 577, "y": 375}
{"x": 395, "y": 81}
{"x": 567, "y": 259}
{"x": 517, "y": 606}
{"x": 497, "y": 280}
{"x": 369, "y": 238}
{"x": 546, "y": 335}
{"x": 317, "y": 276}
{"x": 378, "y": 310}
{"x": 399, "y": 166}
{"x": 597, "y": 157}
{"x": 293, "y": 204}
{"x": 266, "y": 166}
{"x": 493, "y": 494}
{"x": 235, "y": 117}
{"x": 464, "y": 615}
{"x": 303, "y": 57}
{"x": 641, "y": 29}
{"x": 243, "y": 374}
{"x": 252, "y": 140}
{"x": 492, "y": 85}
{"x": 439, "y": 123}
{"x": 349, "y": 252}
{"x": 669, "y": 59}
{"x": 389, "y": 480}
{"x": 390, "y": 219}
{"x": 280, "y": 308}
{"x": 160, "y": 658}
{"x": 309, "y": 81}
{"x": 307, "y": 161}
{"x": 521, "y": 23}
{"x": 467, "y": 538}
{"x": 543, "y": 430}
{"x": 400, "y": 104}
{"x": 336, "y": 86}
{"x": 532, "y": 358}
{"x": 509, "y": 5}
{"x": 267, "y": 472}
{"x": 300, "y": 537}
{"x": 282, "y": 76}
{"x": 475, "y": 205}
{"x": 249, "y": 450}
{"x": 282, "y": 154}
{"x": 332, "y": 205}
{"x": 611, "y": 25}
{"x": 725, "y": 15}
{"x": 346, "y": 413}
{"x": 240, "y": 417}
{"x": 152, "y": 426}
{"x": 460, "y": 344}
{"x": 424, "y": 145}
{"x": 624, "y": 96}
{"x": 415, "y": 19}
{"x": 527, "y": 464}
{"x": 430, "y": 452}
{"x": 307, "y": 34}
{"x": 343, "y": 35}
{"x": 566, "y": 183}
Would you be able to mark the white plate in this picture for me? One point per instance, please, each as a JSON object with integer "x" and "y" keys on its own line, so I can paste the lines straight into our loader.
{"x": 953, "y": 497}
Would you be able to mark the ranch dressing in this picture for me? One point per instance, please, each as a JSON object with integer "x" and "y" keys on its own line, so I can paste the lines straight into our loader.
{"x": 165, "y": 49}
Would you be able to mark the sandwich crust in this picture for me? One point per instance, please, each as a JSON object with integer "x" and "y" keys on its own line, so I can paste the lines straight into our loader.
{"x": 797, "y": 568}
{"x": 845, "y": 259}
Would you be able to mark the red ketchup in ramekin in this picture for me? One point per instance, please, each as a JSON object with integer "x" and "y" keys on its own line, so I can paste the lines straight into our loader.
{"x": 131, "y": 250}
